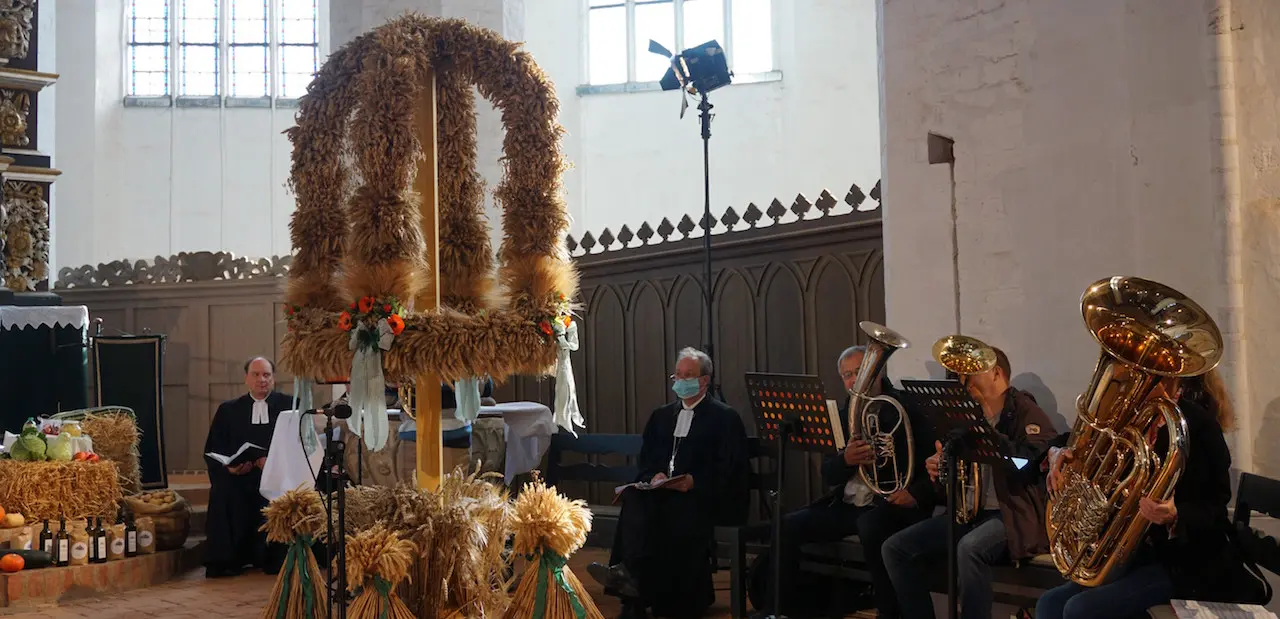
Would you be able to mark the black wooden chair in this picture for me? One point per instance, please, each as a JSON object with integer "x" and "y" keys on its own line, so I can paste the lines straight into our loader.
{"x": 1262, "y": 495}
{"x": 604, "y": 517}
{"x": 734, "y": 543}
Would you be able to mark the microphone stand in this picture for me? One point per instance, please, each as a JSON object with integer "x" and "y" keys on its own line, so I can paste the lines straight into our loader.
{"x": 334, "y": 468}
{"x": 704, "y": 115}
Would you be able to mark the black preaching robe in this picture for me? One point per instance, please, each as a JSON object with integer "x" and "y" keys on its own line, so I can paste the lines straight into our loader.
{"x": 664, "y": 537}
{"x": 235, "y": 504}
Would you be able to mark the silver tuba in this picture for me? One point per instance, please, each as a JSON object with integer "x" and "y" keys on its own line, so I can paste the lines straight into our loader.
{"x": 886, "y": 475}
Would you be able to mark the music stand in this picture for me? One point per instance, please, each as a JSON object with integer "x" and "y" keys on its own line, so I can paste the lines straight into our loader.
{"x": 791, "y": 411}
{"x": 960, "y": 420}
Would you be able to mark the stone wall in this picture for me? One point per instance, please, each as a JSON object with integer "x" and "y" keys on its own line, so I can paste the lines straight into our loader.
{"x": 1092, "y": 138}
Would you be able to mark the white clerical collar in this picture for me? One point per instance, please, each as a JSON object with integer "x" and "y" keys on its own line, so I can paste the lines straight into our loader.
{"x": 261, "y": 415}
{"x": 686, "y": 417}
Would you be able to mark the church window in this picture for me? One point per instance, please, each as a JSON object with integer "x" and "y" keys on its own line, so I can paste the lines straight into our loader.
{"x": 618, "y": 34}
{"x": 221, "y": 52}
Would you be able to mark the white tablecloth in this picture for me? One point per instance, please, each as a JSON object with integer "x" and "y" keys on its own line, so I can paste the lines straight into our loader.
{"x": 288, "y": 467}
{"x": 529, "y": 429}
{"x": 14, "y": 317}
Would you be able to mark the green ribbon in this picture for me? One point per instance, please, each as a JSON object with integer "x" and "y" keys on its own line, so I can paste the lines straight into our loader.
{"x": 551, "y": 564}
{"x": 297, "y": 560}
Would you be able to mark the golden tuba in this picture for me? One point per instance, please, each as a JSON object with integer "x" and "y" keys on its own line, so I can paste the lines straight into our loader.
{"x": 965, "y": 356}
{"x": 886, "y": 475}
{"x": 1151, "y": 335}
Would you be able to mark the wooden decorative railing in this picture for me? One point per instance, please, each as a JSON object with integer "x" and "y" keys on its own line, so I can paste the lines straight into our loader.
{"x": 791, "y": 282}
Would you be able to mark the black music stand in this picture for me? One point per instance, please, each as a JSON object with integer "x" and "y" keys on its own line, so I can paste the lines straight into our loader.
{"x": 965, "y": 433}
{"x": 791, "y": 412}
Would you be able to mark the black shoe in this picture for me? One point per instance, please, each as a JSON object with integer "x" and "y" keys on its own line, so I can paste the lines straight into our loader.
{"x": 616, "y": 580}
{"x": 222, "y": 572}
{"x": 633, "y": 611}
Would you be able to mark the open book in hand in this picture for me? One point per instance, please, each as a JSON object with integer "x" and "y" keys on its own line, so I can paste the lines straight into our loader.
{"x": 248, "y": 453}
{"x": 644, "y": 485}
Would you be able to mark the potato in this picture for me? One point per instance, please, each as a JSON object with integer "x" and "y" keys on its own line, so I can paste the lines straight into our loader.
{"x": 12, "y": 521}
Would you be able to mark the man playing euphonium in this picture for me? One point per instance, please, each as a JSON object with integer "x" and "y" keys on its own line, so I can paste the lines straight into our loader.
{"x": 850, "y": 507}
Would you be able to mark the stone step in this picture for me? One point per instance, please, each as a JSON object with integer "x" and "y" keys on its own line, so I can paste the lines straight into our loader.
{"x": 37, "y": 587}
{"x": 193, "y": 488}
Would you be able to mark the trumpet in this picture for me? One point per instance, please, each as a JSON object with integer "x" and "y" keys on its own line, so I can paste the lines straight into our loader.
{"x": 965, "y": 356}
{"x": 885, "y": 475}
{"x": 1150, "y": 335}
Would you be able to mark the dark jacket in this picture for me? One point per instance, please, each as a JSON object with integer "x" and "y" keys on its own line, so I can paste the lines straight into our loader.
{"x": 1198, "y": 556}
{"x": 835, "y": 473}
{"x": 1025, "y": 431}
{"x": 714, "y": 453}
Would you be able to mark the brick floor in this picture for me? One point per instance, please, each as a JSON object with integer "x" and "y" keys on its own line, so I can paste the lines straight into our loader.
{"x": 243, "y": 598}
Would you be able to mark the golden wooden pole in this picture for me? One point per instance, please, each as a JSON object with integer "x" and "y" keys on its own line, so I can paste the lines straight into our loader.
{"x": 430, "y": 439}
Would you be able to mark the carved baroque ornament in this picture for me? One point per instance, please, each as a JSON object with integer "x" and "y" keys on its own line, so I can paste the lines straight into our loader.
{"x": 14, "y": 107}
{"x": 15, "y": 27}
{"x": 201, "y": 266}
{"x": 27, "y": 236}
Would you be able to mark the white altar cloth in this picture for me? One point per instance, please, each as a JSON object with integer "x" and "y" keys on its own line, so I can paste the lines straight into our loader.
{"x": 19, "y": 317}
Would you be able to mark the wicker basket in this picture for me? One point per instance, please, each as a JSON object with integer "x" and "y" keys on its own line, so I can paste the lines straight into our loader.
{"x": 172, "y": 521}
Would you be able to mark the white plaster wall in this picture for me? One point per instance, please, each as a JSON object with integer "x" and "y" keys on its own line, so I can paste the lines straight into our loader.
{"x": 636, "y": 160}
{"x": 142, "y": 182}
{"x": 1085, "y": 137}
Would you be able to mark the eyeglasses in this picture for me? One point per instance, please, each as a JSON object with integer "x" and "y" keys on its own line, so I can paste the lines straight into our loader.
{"x": 848, "y": 375}
{"x": 675, "y": 377}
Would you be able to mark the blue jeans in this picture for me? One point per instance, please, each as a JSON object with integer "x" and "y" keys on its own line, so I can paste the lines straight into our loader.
{"x": 1130, "y": 594}
{"x": 913, "y": 552}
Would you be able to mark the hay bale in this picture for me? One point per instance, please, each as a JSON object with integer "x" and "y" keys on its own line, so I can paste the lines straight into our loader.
{"x": 115, "y": 437}
{"x": 53, "y": 490}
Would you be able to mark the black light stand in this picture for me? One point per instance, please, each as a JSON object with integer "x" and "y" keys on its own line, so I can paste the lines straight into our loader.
{"x": 785, "y": 429}
{"x": 335, "y": 472}
{"x": 700, "y": 70}
{"x": 704, "y": 114}
{"x": 953, "y": 528}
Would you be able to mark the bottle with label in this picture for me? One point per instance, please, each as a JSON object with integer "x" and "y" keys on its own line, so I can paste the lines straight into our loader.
{"x": 46, "y": 539}
{"x": 62, "y": 543}
{"x": 92, "y": 531}
{"x": 100, "y": 541}
{"x": 130, "y": 538}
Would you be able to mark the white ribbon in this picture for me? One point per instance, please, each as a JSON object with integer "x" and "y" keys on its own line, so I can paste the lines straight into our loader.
{"x": 368, "y": 397}
{"x": 302, "y": 404}
{"x": 567, "y": 414}
{"x": 466, "y": 395}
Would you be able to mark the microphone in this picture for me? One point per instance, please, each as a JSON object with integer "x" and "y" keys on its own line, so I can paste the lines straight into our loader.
{"x": 339, "y": 411}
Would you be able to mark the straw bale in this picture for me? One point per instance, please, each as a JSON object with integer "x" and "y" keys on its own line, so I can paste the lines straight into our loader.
{"x": 115, "y": 437}
{"x": 53, "y": 490}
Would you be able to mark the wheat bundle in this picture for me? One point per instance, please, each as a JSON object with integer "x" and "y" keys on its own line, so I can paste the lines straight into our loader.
{"x": 296, "y": 519}
{"x": 460, "y": 530}
{"x": 549, "y": 528}
{"x": 378, "y": 559}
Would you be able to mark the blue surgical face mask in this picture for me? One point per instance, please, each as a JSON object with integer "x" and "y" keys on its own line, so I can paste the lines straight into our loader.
{"x": 686, "y": 387}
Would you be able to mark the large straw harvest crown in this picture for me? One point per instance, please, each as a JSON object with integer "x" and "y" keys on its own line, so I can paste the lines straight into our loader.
{"x": 357, "y": 231}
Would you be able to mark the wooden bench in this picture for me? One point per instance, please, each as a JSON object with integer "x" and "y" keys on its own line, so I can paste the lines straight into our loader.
{"x": 604, "y": 517}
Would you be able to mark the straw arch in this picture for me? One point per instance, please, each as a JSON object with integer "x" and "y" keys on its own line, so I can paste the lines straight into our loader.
{"x": 357, "y": 228}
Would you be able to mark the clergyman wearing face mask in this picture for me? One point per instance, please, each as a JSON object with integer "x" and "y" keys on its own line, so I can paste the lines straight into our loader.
{"x": 698, "y": 443}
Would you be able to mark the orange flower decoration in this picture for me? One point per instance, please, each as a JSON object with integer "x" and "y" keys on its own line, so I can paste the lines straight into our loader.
{"x": 387, "y": 308}
{"x": 396, "y": 323}
{"x": 546, "y": 327}
{"x": 344, "y": 321}
{"x": 567, "y": 320}
{"x": 366, "y": 304}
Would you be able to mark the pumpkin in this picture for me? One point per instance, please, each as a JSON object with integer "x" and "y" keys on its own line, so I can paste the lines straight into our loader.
{"x": 12, "y": 563}
{"x": 1, "y": 512}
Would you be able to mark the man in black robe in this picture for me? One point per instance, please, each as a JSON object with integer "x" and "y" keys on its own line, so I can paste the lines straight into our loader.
{"x": 662, "y": 549}
{"x": 235, "y": 503}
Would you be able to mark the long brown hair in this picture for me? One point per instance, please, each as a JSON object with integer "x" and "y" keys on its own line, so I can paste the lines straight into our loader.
{"x": 1210, "y": 391}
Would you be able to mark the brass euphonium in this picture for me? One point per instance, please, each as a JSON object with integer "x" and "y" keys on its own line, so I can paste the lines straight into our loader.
{"x": 885, "y": 475}
{"x": 964, "y": 356}
{"x": 1151, "y": 335}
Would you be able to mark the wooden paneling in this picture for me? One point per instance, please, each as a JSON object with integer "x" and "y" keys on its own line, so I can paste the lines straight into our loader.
{"x": 788, "y": 298}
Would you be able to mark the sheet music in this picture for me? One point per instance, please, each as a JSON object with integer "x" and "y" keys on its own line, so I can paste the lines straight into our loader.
{"x": 1190, "y": 609}
{"x": 837, "y": 427}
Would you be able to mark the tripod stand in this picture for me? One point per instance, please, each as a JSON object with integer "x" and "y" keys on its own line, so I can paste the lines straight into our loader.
{"x": 791, "y": 412}
{"x": 705, "y": 116}
{"x": 335, "y": 473}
